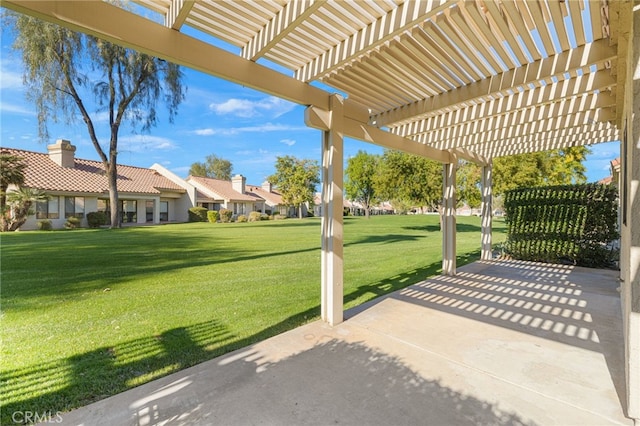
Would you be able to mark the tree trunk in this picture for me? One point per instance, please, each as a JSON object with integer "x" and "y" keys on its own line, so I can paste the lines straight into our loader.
{"x": 300, "y": 211}
{"x": 112, "y": 177}
{"x": 20, "y": 217}
{"x": 366, "y": 212}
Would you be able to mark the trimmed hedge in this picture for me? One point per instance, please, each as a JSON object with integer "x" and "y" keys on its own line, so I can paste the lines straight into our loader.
{"x": 226, "y": 215}
{"x": 563, "y": 224}
{"x": 96, "y": 219}
{"x": 212, "y": 216}
{"x": 198, "y": 214}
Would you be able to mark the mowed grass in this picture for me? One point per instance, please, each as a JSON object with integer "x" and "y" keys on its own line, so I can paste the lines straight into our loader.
{"x": 90, "y": 313}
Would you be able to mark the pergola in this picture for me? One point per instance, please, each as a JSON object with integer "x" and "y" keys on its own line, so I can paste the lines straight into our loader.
{"x": 474, "y": 79}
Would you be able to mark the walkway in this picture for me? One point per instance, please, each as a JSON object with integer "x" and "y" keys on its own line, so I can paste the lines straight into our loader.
{"x": 505, "y": 342}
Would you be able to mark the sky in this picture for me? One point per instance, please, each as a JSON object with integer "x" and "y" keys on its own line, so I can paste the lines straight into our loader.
{"x": 246, "y": 127}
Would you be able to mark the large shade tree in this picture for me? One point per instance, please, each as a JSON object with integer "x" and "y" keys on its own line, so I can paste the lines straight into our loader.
{"x": 296, "y": 179}
{"x": 360, "y": 176}
{"x": 67, "y": 73}
{"x": 410, "y": 179}
{"x": 213, "y": 167}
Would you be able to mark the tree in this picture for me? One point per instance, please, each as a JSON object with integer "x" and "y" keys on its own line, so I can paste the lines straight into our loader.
{"x": 11, "y": 173}
{"x": 213, "y": 167}
{"x": 60, "y": 66}
{"x": 360, "y": 177}
{"x": 468, "y": 184}
{"x": 556, "y": 167}
{"x": 410, "y": 178}
{"x": 22, "y": 201}
{"x": 296, "y": 180}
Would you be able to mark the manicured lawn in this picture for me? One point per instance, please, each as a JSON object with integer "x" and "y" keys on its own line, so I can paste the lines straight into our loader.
{"x": 90, "y": 313}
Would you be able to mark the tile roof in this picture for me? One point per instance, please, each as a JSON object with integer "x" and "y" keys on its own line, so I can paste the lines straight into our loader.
{"x": 222, "y": 188}
{"x": 274, "y": 198}
{"x": 88, "y": 176}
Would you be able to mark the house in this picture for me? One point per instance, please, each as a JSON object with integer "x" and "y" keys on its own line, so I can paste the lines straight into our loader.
{"x": 273, "y": 202}
{"x": 217, "y": 194}
{"x": 237, "y": 196}
{"x": 77, "y": 187}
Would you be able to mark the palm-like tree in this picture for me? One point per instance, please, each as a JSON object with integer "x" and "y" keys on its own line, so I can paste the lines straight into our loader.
{"x": 11, "y": 173}
{"x": 22, "y": 201}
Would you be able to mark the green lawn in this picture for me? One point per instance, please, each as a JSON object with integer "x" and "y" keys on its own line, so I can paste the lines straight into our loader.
{"x": 90, "y": 313}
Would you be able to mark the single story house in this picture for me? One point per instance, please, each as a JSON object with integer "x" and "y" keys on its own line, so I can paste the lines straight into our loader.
{"x": 77, "y": 187}
{"x": 237, "y": 196}
{"x": 146, "y": 196}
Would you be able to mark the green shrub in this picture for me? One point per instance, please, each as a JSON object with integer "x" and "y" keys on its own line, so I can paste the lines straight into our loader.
{"x": 255, "y": 216}
{"x": 264, "y": 216}
{"x": 278, "y": 216}
{"x": 72, "y": 223}
{"x": 225, "y": 215}
{"x": 45, "y": 225}
{"x": 563, "y": 224}
{"x": 198, "y": 214}
{"x": 96, "y": 219}
{"x": 212, "y": 216}
{"x": 242, "y": 218}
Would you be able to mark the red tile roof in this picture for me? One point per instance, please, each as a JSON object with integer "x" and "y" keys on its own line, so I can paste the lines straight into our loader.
{"x": 222, "y": 188}
{"x": 274, "y": 198}
{"x": 88, "y": 176}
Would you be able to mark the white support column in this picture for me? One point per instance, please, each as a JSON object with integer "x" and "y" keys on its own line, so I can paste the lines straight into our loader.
{"x": 630, "y": 229}
{"x": 332, "y": 221}
{"x": 156, "y": 210}
{"x": 449, "y": 218}
{"x": 487, "y": 212}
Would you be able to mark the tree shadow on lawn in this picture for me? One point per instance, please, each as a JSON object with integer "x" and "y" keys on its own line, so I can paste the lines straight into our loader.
{"x": 460, "y": 227}
{"x": 97, "y": 374}
{"x": 69, "y": 276}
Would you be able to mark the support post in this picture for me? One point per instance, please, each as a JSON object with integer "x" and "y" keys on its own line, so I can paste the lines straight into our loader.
{"x": 332, "y": 220}
{"x": 449, "y": 218}
{"x": 630, "y": 205}
{"x": 486, "y": 213}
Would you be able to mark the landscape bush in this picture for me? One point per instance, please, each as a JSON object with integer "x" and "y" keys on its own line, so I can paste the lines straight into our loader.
{"x": 563, "y": 224}
{"x": 242, "y": 218}
{"x": 198, "y": 214}
{"x": 96, "y": 219}
{"x": 45, "y": 225}
{"x": 226, "y": 215}
{"x": 72, "y": 223}
{"x": 255, "y": 216}
{"x": 212, "y": 216}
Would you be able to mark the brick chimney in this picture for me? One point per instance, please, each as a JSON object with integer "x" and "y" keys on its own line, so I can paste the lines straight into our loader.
{"x": 62, "y": 153}
{"x": 266, "y": 185}
{"x": 238, "y": 183}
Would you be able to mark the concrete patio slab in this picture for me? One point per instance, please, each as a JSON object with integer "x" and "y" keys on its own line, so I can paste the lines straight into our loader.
{"x": 503, "y": 342}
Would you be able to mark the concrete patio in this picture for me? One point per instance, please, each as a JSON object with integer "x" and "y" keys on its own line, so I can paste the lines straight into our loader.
{"x": 503, "y": 342}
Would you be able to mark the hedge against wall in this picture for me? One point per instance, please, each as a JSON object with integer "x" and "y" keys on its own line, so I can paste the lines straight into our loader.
{"x": 568, "y": 223}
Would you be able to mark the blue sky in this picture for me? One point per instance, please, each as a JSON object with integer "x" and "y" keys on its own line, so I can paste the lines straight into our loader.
{"x": 247, "y": 127}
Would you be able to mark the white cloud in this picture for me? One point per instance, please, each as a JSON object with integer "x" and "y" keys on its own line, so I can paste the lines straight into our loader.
{"x": 288, "y": 142}
{"x": 245, "y": 108}
{"x": 204, "y": 132}
{"x": 15, "y": 109}
{"x": 143, "y": 143}
{"x": 263, "y": 128}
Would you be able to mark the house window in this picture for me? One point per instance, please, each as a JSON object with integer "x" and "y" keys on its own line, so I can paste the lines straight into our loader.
{"x": 48, "y": 209}
{"x": 129, "y": 211}
{"x": 103, "y": 206}
{"x": 149, "y": 209}
{"x": 164, "y": 211}
{"x": 74, "y": 207}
